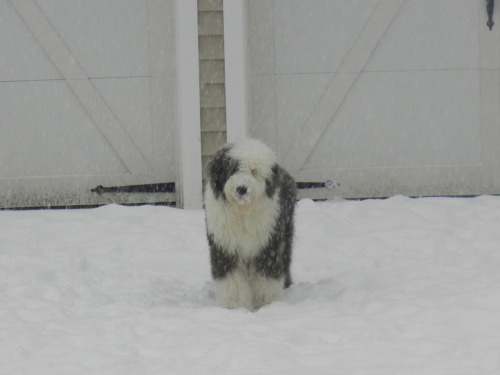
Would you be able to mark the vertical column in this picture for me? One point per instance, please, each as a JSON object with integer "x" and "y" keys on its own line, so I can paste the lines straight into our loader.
{"x": 189, "y": 180}
{"x": 235, "y": 45}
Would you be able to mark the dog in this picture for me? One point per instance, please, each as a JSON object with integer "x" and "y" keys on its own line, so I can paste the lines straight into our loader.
{"x": 249, "y": 205}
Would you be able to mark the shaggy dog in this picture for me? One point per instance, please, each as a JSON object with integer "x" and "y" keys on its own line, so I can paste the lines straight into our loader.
{"x": 249, "y": 204}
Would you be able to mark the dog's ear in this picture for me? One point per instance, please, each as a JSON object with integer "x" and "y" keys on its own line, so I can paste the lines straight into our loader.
{"x": 272, "y": 181}
{"x": 220, "y": 169}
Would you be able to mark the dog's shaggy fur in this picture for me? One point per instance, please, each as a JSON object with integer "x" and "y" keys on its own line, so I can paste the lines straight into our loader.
{"x": 249, "y": 204}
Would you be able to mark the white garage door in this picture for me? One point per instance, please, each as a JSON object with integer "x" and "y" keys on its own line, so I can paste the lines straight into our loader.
{"x": 87, "y": 98}
{"x": 383, "y": 97}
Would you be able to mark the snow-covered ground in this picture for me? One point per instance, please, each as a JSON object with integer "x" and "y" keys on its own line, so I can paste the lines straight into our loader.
{"x": 397, "y": 286}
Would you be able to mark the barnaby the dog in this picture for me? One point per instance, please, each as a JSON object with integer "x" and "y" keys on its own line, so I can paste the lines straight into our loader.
{"x": 249, "y": 205}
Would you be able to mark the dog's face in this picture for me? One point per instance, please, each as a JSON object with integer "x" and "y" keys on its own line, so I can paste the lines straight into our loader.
{"x": 244, "y": 173}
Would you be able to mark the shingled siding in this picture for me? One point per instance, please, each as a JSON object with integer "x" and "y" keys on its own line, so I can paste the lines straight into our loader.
{"x": 212, "y": 88}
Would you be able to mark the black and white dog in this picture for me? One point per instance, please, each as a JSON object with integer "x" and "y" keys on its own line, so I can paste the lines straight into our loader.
{"x": 249, "y": 204}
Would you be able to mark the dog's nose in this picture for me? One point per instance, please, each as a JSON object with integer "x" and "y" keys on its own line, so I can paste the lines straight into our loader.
{"x": 242, "y": 190}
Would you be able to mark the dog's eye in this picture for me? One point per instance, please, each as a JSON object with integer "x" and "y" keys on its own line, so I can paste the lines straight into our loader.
{"x": 254, "y": 172}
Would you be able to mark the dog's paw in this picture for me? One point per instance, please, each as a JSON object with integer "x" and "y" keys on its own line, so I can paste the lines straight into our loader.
{"x": 266, "y": 290}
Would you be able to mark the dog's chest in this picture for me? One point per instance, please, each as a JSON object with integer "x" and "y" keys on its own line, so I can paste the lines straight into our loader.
{"x": 245, "y": 233}
{"x": 251, "y": 234}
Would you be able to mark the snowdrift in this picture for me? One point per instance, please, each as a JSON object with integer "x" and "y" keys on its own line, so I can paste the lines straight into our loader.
{"x": 396, "y": 286}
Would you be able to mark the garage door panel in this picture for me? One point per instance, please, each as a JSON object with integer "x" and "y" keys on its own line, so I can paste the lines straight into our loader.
{"x": 101, "y": 109}
{"x": 490, "y": 123}
{"x": 129, "y": 100}
{"x": 263, "y": 123}
{"x": 383, "y": 182}
{"x": 261, "y": 36}
{"x": 430, "y": 34}
{"x": 164, "y": 116}
{"x": 296, "y": 98}
{"x": 385, "y": 97}
{"x": 490, "y": 56}
{"x": 52, "y": 134}
{"x": 21, "y": 56}
{"x": 318, "y": 34}
{"x": 422, "y": 119}
{"x": 107, "y": 38}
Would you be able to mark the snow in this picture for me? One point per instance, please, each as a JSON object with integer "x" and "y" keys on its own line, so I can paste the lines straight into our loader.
{"x": 396, "y": 286}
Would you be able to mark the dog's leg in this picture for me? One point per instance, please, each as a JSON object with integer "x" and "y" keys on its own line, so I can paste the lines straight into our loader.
{"x": 266, "y": 290}
{"x": 232, "y": 288}
{"x": 233, "y": 291}
{"x": 287, "y": 259}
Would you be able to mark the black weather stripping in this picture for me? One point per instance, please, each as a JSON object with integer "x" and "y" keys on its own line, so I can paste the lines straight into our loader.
{"x": 169, "y": 187}
{"x": 166, "y": 187}
{"x": 318, "y": 185}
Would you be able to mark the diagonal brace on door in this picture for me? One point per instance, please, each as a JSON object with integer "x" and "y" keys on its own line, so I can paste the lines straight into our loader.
{"x": 81, "y": 86}
{"x": 338, "y": 89}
